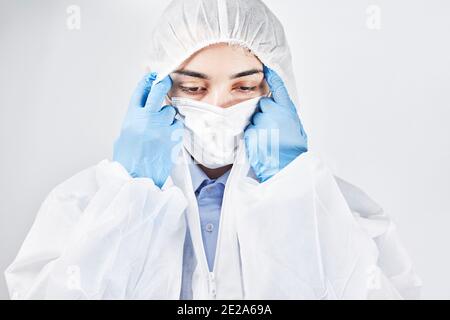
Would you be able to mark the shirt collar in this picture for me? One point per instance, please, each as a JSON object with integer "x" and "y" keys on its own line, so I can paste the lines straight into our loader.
{"x": 198, "y": 176}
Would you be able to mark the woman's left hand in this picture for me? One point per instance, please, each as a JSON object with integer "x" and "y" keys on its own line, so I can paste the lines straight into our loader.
{"x": 275, "y": 136}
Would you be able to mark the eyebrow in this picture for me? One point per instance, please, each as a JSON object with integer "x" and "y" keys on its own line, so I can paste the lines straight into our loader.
{"x": 200, "y": 75}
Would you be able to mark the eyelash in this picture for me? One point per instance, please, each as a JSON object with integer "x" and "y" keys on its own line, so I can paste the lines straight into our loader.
{"x": 189, "y": 90}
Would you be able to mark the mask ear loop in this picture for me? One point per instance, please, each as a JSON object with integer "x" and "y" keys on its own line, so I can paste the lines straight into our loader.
{"x": 169, "y": 98}
{"x": 178, "y": 115}
{"x": 269, "y": 94}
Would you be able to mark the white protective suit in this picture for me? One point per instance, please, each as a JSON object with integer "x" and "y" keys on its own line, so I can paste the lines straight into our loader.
{"x": 303, "y": 234}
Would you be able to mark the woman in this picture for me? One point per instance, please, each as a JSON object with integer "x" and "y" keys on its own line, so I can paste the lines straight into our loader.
{"x": 212, "y": 192}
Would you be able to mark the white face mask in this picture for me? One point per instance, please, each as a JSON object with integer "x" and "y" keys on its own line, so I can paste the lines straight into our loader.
{"x": 212, "y": 133}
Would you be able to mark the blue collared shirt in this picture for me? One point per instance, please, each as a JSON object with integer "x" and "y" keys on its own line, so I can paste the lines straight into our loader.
{"x": 209, "y": 194}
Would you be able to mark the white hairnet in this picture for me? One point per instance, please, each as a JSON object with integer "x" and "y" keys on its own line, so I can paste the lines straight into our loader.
{"x": 188, "y": 26}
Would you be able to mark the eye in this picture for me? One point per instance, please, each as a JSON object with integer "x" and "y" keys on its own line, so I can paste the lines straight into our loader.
{"x": 247, "y": 89}
{"x": 192, "y": 90}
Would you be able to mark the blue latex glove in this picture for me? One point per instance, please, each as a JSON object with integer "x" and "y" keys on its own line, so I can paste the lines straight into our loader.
{"x": 148, "y": 140}
{"x": 275, "y": 116}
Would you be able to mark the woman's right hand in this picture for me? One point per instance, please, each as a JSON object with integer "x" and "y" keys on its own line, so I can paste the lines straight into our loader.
{"x": 150, "y": 137}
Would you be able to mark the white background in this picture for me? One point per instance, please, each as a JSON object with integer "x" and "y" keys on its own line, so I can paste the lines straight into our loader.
{"x": 375, "y": 104}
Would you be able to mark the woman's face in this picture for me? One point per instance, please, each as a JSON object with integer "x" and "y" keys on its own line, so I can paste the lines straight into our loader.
{"x": 220, "y": 74}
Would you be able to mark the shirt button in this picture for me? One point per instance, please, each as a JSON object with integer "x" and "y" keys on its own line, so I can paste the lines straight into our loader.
{"x": 209, "y": 227}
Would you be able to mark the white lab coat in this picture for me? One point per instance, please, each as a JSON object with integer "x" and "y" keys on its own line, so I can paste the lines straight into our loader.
{"x": 303, "y": 234}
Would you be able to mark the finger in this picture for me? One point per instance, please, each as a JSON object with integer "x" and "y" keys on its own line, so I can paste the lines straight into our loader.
{"x": 167, "y": 113}
{"x": 177, "y": 124}
{"x": 250, "y": 140}
{"x": 279, "y": 91}
{"x": 157, "y": 94}
{"x": 256, "y": 118}
{"x": 142, "y": 90}
{"x": 249, "y": 134}
{"x": 266, "y": 104}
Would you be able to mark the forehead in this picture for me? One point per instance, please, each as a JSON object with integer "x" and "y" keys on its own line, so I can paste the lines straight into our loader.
{"x": 221, "y": 59}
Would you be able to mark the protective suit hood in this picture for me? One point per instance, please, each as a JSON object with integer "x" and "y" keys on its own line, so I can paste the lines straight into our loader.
{"x": 188, "y": 26}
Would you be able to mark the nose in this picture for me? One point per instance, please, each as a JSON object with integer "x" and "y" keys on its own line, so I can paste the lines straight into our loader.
{"x": 220, "y": 97}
